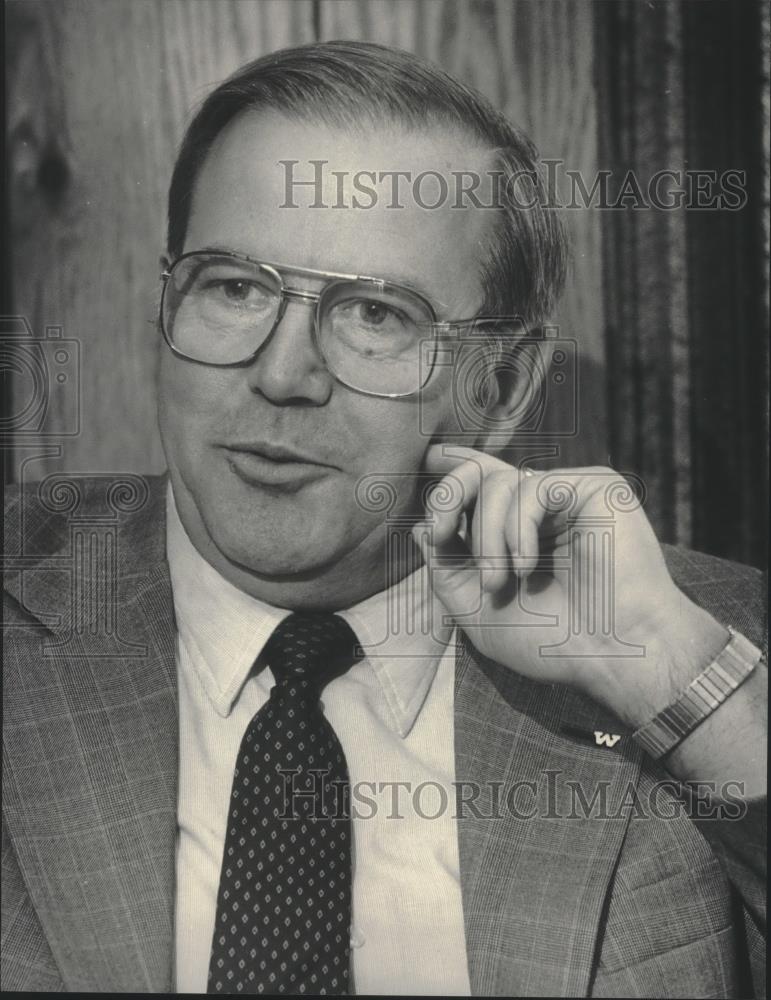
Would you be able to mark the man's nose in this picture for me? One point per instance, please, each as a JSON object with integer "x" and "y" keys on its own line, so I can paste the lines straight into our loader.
{"x": 288, "y": 366}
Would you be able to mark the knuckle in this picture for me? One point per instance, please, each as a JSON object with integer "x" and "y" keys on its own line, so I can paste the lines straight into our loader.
{"x": 499, "y": 478}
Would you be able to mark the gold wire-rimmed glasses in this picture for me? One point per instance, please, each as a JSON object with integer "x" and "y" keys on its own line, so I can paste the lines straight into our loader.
{"x": 219, "y": 308}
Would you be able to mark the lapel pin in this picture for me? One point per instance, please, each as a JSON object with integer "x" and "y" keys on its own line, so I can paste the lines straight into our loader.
{"x": 606, "y": 739}
{"x": 597, "y": 737}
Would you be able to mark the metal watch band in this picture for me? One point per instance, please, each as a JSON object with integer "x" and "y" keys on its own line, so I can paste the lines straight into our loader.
{"x": 703, "y": 695}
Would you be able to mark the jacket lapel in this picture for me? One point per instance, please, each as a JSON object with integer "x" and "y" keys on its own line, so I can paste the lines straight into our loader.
{"x": 90, "y": 778}
{"x": 535, "y": 869}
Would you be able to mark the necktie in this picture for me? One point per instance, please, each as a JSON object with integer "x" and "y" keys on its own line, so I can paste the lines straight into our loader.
{"x": 284, "y": 902}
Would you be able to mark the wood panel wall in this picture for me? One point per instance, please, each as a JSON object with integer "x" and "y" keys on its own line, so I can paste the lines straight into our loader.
{"x": 98, "y": 95}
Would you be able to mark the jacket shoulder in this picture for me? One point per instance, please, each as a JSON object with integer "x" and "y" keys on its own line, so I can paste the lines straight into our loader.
{"x": 37, "y": 514}
{"x": 49, "y": 525}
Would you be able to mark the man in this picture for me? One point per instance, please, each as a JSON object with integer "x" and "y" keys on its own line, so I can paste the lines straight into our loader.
{"x": 315, "y": 454}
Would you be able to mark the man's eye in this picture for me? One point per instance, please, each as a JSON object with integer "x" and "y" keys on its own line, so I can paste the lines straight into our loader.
{"x": 238, "y": 290}
{"x": 373, "y": 313}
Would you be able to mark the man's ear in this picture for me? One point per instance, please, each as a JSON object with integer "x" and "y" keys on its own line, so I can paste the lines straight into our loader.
{"x": 496, "y": 389}
{"x": 514, "y": 391}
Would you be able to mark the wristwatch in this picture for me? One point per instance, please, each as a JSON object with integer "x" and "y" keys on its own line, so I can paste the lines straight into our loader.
{"x": 704, "y": 694}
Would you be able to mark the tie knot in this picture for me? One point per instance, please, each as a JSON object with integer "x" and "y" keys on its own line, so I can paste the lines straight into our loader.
{"x": 317, "y": 646}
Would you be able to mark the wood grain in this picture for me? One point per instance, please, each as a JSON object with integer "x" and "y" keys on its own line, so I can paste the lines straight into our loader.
{"x": 98, "y": 94}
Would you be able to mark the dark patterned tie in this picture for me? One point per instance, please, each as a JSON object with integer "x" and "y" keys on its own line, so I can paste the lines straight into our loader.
{"x": 284, "y": 901}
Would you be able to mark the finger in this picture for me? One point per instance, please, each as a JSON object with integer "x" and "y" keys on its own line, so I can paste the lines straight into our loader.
{"x": 546, "y": 505}
{"x": 522, "y": 531}
{"x": 488, "y": 530}
{"x": 443, "y": 458}
{"x": 454, "y": 574}
{"x": 526, "y": 523}
{"x": 464, "y": 471}
{"x": 455, "y": 493}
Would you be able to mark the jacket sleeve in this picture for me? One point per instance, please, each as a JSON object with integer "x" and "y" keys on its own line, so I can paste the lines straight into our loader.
{"x": 26, "y": 961}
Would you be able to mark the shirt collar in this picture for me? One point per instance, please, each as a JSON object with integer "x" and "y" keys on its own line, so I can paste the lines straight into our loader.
{"x": 401, "y": 630}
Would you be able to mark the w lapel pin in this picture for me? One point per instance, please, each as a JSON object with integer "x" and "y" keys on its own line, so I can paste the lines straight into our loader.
{"x": 606, "y": 739}
{"x": 597, "y": 737}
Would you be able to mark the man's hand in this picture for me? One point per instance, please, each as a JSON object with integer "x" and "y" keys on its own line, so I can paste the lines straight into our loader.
{"x": 574, "y": 587}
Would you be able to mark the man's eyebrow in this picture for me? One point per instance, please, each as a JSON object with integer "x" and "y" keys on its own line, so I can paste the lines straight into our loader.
{"x": 393, "y": 277}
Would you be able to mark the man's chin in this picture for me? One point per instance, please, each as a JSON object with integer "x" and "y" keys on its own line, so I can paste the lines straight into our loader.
{"x": 285, "y": 554}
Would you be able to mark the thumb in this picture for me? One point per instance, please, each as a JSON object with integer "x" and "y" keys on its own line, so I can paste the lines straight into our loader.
{"x": 454, "y": 574}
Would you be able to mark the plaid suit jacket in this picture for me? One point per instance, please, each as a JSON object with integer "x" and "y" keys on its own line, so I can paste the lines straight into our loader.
{"x": 618, "y": 899}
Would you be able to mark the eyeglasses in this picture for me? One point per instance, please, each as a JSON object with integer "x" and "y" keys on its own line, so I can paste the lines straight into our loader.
{"x": 219, "y": 308}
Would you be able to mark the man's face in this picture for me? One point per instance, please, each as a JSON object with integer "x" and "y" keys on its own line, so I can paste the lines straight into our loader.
{"x": 268, "y": 525}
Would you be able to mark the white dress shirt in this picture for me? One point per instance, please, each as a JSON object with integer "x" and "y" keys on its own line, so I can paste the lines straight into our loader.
{"x": 393, "y": 714}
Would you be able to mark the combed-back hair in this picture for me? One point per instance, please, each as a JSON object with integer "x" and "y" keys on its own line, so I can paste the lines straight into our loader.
{"x": 353, "y": 84}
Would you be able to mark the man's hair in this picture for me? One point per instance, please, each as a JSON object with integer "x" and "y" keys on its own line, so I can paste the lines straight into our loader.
{"x": 350, "y": 84}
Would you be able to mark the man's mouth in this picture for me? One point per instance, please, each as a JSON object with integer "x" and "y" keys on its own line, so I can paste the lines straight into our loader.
{"x": 269, "y": 464}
